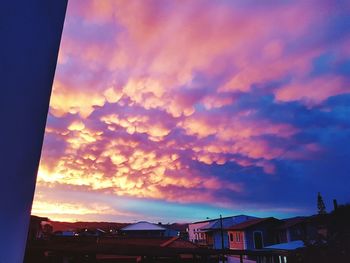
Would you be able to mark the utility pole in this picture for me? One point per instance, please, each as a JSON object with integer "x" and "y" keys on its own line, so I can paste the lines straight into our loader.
{"x": 222, "y": 239}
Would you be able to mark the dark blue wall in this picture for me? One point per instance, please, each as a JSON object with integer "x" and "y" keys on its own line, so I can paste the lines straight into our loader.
{"x": 30, "y": 33}
{"x": 217, "y": 240}
{"x": 268, "y": 235}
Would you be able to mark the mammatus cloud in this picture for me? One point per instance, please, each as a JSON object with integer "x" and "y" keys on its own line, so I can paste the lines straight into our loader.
{"x": 224, "y": 104}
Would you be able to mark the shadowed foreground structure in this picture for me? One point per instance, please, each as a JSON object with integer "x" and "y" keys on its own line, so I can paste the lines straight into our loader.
{"x": 73, "y": 249}
{"x": 166, "y": 250}
{"x": 30, "y": 38}
{"x": 332, "y": 247}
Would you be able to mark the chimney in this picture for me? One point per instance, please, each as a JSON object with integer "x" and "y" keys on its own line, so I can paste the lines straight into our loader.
{"x": 335, "y": 204}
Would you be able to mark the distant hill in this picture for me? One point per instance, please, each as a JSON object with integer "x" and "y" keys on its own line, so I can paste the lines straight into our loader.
{"x": 61, "y": 226}
{"x": 106, "y": 226}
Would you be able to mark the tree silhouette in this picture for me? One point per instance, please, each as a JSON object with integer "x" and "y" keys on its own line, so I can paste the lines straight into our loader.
{"x": 320, "y": 205}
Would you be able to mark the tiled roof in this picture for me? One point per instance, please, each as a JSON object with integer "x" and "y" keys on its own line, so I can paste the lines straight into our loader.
{"x": 215, "y": 219}
{"x": 251, "y": 223}
{"x": 289, "y": 222}
{"x": 210, "y": 225}
{"x": 226, "y": 222}
{"x": 150, "y": 242}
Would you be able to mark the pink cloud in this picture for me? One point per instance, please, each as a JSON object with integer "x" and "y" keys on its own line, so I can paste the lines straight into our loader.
{"x": 146, "y": 90}
{"x": 160, "y": 53}
{"x": 313, "y": 91}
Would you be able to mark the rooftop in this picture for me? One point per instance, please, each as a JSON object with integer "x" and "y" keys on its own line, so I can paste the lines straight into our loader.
{"x": 288, "y": 246}
{"x": 214, "y": 219}
{"x": 289, "y": 222}
{"x": 252, "y": 222}
{"x": 142, "y": 226}
{"x": 227, "y": 222}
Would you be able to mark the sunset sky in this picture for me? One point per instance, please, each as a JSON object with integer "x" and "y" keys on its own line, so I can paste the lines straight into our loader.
{"x": 181, "y": 110}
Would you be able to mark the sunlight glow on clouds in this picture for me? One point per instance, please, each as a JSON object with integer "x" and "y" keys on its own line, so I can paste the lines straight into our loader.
{"x": 225, "y": 103}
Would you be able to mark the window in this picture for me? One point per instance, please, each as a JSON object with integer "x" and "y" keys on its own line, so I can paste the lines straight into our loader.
{"x": 231, "y": 237}
{"x": 238, "y": 237}
{"x": 258, "y": 240}
{"x": 282, "y": 259}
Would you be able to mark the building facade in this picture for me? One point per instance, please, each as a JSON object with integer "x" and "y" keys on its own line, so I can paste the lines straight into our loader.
{"x": 144, "y": 229}
{"x": 253, "y": 234}
{"x": 213, "y": 232}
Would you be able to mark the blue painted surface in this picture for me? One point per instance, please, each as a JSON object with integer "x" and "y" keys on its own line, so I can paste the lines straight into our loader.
{"x": 30, "y": 37}
{"x": 215, "y": 228}
{"x": 267, "y": 235}
{"x": 171, "y": 233}
{"x": 217, "y": 240}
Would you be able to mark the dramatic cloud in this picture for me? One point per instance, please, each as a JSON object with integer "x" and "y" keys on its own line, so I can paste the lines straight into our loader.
{"x": 233, "y": 106}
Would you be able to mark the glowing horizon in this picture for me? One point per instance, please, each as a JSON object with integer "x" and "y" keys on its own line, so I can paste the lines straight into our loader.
{"x": 178, "y": 111}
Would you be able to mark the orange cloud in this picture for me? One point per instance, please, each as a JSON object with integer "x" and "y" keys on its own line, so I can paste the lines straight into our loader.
{"x": 66, "y": 100}
{"x": 141, "y": 101}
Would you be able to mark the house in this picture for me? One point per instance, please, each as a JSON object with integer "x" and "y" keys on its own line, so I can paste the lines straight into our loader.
{"x": 296, "y": 228}
{"x": 90, "y": 232}
{"x": 195, "y": 234}
{"x": 280, "y": 252}
{"x": 175, "y": 230}
{"x": 253, "y": 234}
{"x": 37, "y": 227}
{"x": 143, "y": 229}
{"x": 68, "y": 233}
{"x": 211, "y": 233}
{"x": 118, "y": 249}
